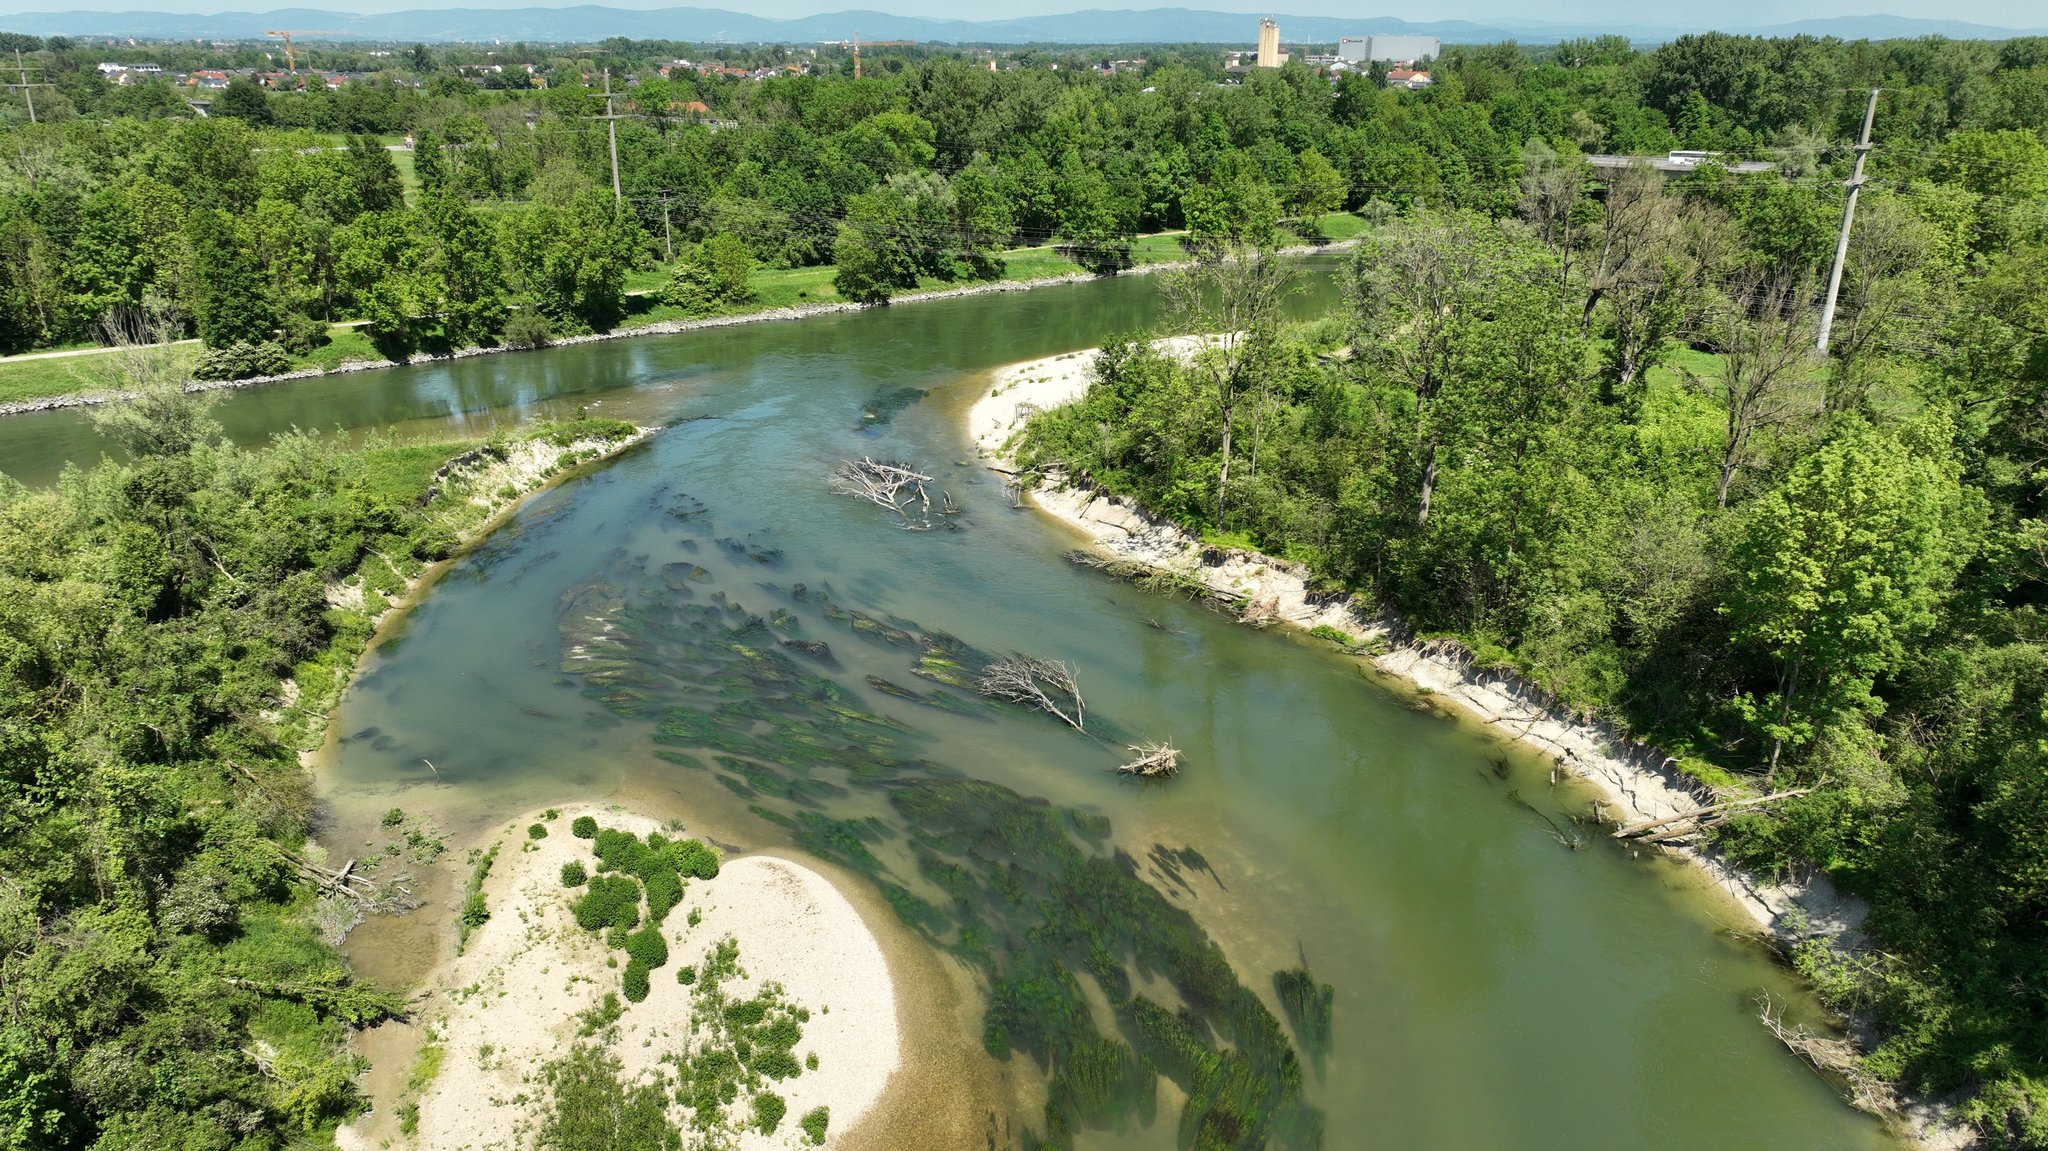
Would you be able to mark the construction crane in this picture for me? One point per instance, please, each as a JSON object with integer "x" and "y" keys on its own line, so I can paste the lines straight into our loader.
{"x": 290, "y": 63}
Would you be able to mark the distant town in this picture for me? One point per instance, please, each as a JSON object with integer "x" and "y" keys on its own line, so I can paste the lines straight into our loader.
{"x": 1396, "y": 60}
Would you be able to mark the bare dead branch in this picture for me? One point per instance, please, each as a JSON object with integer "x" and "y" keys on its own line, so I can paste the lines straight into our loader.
{"x": 1834, "y": 1058}
{"x": 1045, "y": 684}
{"x": 1158, "y": 760}
{"x": 896, "y": 486}
{"x": 1700, "y": 817}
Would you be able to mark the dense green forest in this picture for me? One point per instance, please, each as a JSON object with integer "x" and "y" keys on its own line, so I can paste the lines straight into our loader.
{"x": 1569, "y": 418}
{"x": 166, "y": 936}
{"x": 165, "y": 985}
{"x": 286, "y": 208}
{"x": 1579, "y": 423}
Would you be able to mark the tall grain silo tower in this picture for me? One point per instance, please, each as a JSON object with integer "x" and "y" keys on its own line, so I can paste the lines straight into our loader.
{"x": 1269, "y": 44}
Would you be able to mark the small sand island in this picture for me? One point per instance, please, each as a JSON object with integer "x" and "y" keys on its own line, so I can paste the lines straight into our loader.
{"x": 617, "y": 983}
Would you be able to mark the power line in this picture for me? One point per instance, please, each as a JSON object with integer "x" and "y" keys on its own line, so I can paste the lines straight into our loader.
{"x": 25, "y": 87}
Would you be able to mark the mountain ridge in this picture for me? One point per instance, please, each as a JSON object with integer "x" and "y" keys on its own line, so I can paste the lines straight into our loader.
{"x": 589, "y": 22}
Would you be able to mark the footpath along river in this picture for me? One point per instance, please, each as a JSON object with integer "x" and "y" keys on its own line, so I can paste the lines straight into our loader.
{"x": 624, "y": 638}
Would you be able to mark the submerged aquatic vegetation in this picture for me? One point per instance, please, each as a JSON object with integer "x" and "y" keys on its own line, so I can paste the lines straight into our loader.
{"x": 1033, "y": 896}
{"x": 1308, "y": 1007}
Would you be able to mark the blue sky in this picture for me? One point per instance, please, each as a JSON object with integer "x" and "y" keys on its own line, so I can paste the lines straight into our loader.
{"x": 1730, "y": 13}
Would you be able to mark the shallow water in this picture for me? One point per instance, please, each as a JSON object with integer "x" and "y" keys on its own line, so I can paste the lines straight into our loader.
{"x": 1491, "y": 988}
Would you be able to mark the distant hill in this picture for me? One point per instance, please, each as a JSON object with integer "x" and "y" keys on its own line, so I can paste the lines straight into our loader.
{"x": 1893, "y": 28}
{"x": 713, "y": 25}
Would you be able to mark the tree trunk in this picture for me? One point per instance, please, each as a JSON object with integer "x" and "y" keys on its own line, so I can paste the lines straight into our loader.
{"x": 1223, "y": 477}
{"x": 1731, "y": 456}
{"x": 1787, "y": 688}
{"x": 1428, "y": 484}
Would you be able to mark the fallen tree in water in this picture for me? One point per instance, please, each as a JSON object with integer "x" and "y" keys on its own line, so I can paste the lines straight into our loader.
{"x": 1687, "y": 823}
{"x": 896, "y": 486}
{"x": 1045, "y": 684}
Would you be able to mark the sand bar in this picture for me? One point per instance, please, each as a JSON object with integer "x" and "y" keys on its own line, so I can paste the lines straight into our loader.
{"x": 512, "y": 1001}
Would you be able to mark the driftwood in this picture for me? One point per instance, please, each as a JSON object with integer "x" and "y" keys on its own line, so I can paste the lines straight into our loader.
{"x": 1045, "y": 684}
{"x": 366, "y": 892}
{"x": 896, "y": 486}
{"x": 1699, "y": 818}
{"x": 1155, "y": 761}
{"x": 1834, "y": 1058}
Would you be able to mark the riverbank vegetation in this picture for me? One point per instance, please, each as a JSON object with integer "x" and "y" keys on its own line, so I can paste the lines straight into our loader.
{"x": 163, "y": 623}
{"x": 284, "y": 211}
{"x": 1583, "y": 430}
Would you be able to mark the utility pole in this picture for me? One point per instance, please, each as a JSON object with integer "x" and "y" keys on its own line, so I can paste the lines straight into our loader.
{"x": 856, "y": 55}
{"x": 1827, "y": 312}
{"x": 611, "y": 131}
{"x": 611, "y": 127}
{"x": 27, "y": 89}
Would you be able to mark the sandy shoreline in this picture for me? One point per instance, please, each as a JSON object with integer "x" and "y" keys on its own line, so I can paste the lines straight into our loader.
{"x": 515, "y": 999}
{"x": 1631, "y": 781}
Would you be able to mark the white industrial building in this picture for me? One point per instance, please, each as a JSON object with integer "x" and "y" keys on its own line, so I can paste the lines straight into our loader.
{"x": 1391, "y": 49}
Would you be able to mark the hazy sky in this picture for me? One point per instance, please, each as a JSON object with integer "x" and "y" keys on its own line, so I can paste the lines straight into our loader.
{"x": 1727, "y": 13}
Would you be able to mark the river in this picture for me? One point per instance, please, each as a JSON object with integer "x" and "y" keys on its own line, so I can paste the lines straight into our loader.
{"x": 622, "y": 636}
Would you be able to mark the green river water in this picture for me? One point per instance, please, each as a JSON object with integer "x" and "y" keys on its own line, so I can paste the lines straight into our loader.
{"x": 622, "y": 636}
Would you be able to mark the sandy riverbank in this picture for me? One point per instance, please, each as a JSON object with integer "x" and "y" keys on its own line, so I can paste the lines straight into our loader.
{"x": 517, "y": 999}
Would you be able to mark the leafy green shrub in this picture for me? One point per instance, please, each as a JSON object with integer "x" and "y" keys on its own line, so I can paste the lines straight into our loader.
{"x": 768, "y": 1111}
{"x": 394, "y": 817}
{"x": 664, "y": 891}
{"x": 536, "y": 831}
{"x": 634, "y": 983}
{"x": 584, "y": 827}
{"x": 562, "y": 433}
{"x": 615, "y": 848}
{"x": 592, "y": 1106}
{"x": 242, "y": 362}
{"x": 746, "y": 1013}
{"x": 686, "y": 974}
{"x": 300, "y": 333}
{"x": 710, "y": 277}
{"x": 433, "y": 542}
{"x": 647, "y": 948}
{"x": 528, "y": 329}
{"x": 775, "y": 1063}
{"x": 610, "y": 901}
{"x": 693, "y": 858}
{"x": 813, "y": 1123}
{"x": 783, "y": 1033}
{"x": 811, "y": 1061}
{"x": 601, "y": 1016}
{"x": 1334, "y": 635}
{"x": 474, "y": 913}
{"x": 573, "y": 874}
